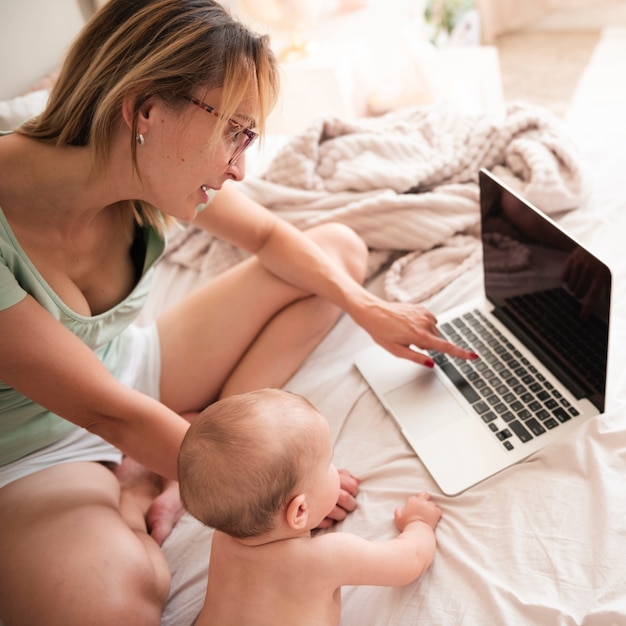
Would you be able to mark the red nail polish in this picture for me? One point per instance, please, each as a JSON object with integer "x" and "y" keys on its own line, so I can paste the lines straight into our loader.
{"x": 474, "y": 356}
{"x": 429, "y": 363}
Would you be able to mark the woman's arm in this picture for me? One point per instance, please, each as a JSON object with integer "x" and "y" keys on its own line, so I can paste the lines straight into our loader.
{"x": 44, "y": 361}
{"x": 288, "y": 254}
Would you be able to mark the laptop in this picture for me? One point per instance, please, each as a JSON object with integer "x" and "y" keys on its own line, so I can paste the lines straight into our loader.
{"x": 541, "y": 330}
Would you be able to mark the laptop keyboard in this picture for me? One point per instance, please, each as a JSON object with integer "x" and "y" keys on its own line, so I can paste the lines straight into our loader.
{"x": 511, "y": 396}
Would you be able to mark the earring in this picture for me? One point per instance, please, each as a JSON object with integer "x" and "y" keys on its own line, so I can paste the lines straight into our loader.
{"x": 140, "y": 139}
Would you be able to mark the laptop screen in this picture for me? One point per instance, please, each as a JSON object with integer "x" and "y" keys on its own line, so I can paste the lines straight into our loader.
{"x": 547, "y": 289}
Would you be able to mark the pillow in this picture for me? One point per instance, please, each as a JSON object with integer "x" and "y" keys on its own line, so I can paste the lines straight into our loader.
{"x": 16, "y": 111}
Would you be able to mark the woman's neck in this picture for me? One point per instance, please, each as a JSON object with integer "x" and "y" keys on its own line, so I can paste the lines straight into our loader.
{"x": 52, "y": 180}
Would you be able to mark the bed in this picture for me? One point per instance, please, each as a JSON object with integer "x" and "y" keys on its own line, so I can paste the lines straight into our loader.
{"x": 541, "y": 542}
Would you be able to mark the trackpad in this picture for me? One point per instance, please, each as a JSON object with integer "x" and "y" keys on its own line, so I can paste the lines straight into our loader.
{"x": 423, "y": 406}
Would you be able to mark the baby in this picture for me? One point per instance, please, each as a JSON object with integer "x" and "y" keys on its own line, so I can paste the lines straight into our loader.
{"x": 258, "y": 468}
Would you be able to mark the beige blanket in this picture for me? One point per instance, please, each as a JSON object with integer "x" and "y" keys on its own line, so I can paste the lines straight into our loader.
{"x": 407, "y": 183}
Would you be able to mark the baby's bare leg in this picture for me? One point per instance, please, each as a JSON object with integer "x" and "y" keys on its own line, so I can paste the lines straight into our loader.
{"x": 70, "y": 558}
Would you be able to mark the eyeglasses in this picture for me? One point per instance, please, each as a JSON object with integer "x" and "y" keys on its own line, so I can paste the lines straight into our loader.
{"x": 241, "y": 136}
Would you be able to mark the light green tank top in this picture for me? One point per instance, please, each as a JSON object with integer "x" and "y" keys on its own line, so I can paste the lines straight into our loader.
{"x": 24, "y": 425}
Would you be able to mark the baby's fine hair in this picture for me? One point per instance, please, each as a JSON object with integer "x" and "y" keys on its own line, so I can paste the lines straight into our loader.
{"x": 147, "y": 49}
{"x": 237, "y": 468}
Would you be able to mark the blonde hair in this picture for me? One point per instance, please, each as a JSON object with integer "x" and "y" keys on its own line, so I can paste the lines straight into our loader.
{"x": 243, "y": 458}
{"x": 153, "y": 49}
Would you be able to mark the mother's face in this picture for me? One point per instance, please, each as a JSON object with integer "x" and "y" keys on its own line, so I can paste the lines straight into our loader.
{"x": 182, "y": 157}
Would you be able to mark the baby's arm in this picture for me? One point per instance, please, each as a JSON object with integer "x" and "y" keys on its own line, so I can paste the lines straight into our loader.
{"x": 392, "y": 563}
{"x": 416, "y": 521}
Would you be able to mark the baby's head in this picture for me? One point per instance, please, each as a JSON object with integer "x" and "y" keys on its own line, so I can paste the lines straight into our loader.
{"x": 250, "y": 458}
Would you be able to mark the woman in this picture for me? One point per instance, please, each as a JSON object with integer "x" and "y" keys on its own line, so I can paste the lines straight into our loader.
{"x": 154, "y": 107}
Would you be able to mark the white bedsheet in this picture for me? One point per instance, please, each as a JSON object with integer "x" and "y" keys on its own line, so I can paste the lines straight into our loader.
{"x": 540, "y": 543}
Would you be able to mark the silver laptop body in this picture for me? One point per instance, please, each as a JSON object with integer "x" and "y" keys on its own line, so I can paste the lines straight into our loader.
{"x": 541, "y": 330}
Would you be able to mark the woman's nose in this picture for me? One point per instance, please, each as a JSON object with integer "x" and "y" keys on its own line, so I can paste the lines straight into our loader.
{"x": 237, "y": 170}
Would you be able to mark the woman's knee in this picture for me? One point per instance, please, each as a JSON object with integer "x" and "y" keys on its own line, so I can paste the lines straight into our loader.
{"x": 129, "y": 588}
{"x": 65, "y": 534}
{"x": 138, "y": 580}
{"x": 139, "y": 592}
{"x": 343, "y": 244}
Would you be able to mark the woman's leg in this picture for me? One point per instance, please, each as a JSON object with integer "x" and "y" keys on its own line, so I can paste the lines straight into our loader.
{"x": 68, "y": 557}
{"x": 247, "y": 329}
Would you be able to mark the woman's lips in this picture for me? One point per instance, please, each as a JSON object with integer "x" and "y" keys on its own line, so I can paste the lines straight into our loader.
{"x": 205, "y": 191}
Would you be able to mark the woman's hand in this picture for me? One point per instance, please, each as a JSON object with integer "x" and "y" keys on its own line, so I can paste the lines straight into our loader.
{"x": 346, "y": 503}
{"x": 400, "y": 328}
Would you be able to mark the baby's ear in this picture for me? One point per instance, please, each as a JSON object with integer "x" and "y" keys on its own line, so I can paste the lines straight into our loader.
{"x": 298, "y": 512}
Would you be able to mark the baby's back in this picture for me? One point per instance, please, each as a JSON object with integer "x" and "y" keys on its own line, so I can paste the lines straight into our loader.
{"x": 283, "y": 582}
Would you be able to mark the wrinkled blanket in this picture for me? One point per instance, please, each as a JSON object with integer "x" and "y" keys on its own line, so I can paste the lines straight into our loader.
{"x": 407, "y": 183}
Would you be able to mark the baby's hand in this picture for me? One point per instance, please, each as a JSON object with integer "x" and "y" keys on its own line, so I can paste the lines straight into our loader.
{"x": 417, "y": 508}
